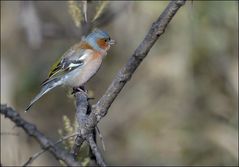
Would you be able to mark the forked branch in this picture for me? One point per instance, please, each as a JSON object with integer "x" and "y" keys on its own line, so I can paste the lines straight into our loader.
{"x": 32, "y": 131}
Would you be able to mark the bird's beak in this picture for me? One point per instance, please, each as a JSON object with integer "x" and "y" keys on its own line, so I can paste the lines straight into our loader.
{"x": 112, "y": 42}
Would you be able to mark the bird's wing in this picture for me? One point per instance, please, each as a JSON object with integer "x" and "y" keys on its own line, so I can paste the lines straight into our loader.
{"x": 71, "y": 60}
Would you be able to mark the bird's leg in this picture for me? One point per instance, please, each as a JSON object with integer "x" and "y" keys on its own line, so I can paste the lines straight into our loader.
{"x": 73, "y": 91}
{"x": 80, "y": 89}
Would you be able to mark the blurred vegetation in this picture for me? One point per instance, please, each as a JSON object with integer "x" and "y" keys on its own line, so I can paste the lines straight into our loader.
{"x": 76, "y": 12}
{"x": 180, "y": 107}
{"x": 69, "y": 128}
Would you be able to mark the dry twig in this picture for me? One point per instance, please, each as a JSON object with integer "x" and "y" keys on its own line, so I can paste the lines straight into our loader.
{"x": 32, "y": 131}
{"x": 36, "y": 155}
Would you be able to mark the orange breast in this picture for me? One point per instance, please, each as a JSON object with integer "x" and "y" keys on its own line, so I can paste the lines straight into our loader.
{"x": 96, "y": 55}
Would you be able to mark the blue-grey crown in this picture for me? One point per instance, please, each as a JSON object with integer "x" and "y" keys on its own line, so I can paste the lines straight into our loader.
{"x": 96, "y": 34}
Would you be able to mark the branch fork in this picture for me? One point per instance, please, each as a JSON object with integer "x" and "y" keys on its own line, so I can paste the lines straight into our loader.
{"x": 86, "y": 129}
{"x": 89, "y": 122}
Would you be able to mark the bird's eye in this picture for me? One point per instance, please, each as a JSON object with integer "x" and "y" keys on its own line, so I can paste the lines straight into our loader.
{"x": 106, "y": 40}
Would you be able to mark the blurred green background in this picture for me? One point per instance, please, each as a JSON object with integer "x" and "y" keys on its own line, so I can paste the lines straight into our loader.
{"x": 179, "y": 108}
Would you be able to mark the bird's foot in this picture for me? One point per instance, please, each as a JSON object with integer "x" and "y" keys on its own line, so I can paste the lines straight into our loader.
{"x": 79, "y": 89}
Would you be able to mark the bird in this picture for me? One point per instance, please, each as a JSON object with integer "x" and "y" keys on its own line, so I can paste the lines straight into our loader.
{"x": 78, "y": 64}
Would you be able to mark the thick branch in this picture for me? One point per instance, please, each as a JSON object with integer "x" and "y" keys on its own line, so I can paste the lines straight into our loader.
{"x": 31, "y": 130}
{"x": 76, "y": 147}
{"x": 81, "y": 111}
{"x": 100, "y": 109}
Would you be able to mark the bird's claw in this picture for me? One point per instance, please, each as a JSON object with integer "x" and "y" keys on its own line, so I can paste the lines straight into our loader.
{"x": 79, "y": 89}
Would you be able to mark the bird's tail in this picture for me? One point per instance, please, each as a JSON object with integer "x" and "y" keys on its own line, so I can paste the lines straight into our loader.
{"x": 46, "y": 87}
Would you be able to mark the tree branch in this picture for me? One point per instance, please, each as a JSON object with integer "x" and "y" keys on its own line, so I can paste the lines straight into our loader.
{"x": 36, "y": 155}
{"x": 81, "y": 111}
{"x": 99, "y": 110}
{"x": 123, "y": 76}
{"x": 31, "y": 130}
{"x": 95, "y": 150}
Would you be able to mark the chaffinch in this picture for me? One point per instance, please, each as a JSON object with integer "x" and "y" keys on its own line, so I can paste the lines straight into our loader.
{"x": 78, "y": 64}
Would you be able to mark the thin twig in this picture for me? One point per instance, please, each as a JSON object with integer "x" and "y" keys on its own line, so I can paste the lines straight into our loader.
{"x": 45, "y": 149}
{"x": 92, "y": 156}
{"x": 101, "y": 138}
{"x": 37, "y": 154}
{"x": 31, "y": 130}
{"x": 9, "y": 134}
{"x": 100, "y": 161}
